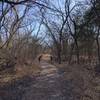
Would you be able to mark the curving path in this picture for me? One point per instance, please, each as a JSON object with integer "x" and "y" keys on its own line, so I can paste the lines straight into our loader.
{"x": 48, "y": 85}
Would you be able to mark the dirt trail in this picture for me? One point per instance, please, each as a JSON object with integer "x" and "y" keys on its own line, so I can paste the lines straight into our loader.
{"x": 48, "y": 85}
{"x": 52, "y": 83}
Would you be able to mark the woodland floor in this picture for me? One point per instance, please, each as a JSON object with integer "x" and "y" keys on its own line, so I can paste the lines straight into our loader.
{"x": 54, "y": 82}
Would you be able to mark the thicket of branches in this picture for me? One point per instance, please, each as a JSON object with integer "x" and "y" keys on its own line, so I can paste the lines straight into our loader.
{"x": 69, "y": 29}
{"x": 19, "y": 30}
{"x": 74, "y": 30}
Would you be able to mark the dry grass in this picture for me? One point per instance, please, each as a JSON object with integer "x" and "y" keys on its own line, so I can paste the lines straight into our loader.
{"x": 18, "y": 72}
{"x": 87, "y": 85}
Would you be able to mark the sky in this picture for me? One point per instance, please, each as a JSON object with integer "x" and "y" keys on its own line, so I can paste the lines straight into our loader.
{"x": 55, "y": 3}
{"x": 33, "y": 15}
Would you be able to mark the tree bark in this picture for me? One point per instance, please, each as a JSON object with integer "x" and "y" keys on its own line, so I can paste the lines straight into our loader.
{"x": 77, "y": 51}
{"x": 71, "y": 53}
{"x": 98, "y": 48}
{"x": 59, "y": 54}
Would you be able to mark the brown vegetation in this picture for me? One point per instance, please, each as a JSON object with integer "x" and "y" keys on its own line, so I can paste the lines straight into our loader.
{"x": 66, "y": 34}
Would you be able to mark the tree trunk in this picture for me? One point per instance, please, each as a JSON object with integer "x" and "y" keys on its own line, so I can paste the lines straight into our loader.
{"x": 77, "y": 51}
{"x": 59, "y": 55}
{"x": 71, "y": 53}
{"x": 98, "y": 48}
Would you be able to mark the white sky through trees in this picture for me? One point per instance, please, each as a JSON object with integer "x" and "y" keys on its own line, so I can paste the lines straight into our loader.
{"x": 33, "y": 16}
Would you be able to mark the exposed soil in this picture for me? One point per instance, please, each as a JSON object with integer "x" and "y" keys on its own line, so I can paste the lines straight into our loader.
{"x": 54, "y": 83}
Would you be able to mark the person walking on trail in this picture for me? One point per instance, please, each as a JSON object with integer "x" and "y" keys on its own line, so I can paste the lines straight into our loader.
{"x": 51, "y": 58}
{"x": 39, "y": 58}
